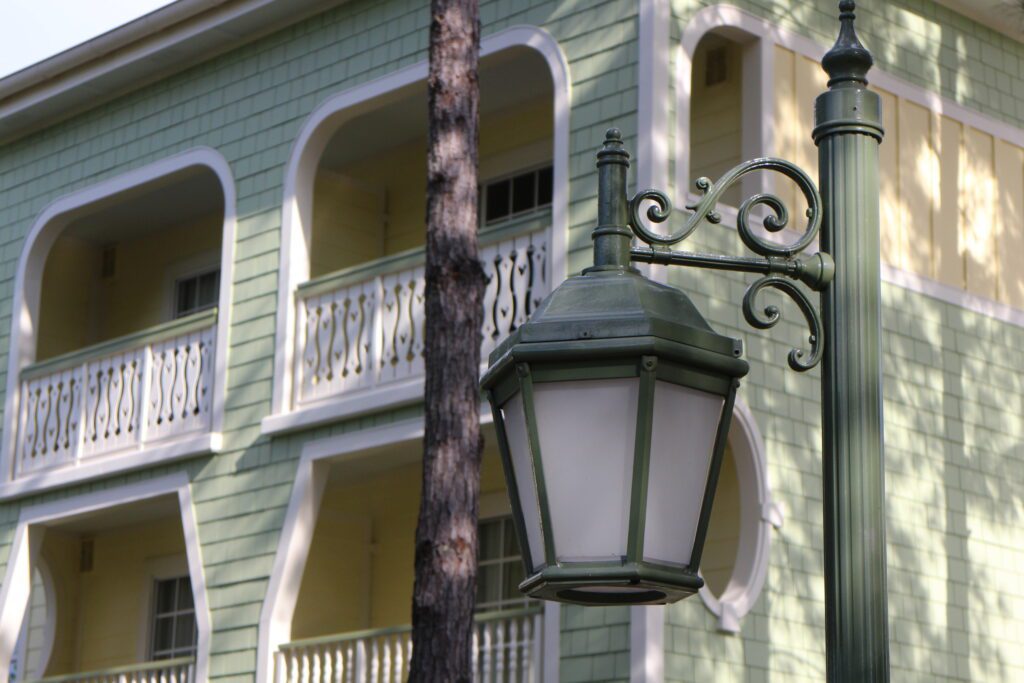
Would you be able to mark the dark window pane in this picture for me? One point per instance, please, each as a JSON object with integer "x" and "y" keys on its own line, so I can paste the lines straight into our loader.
{"x": 163, "y": 634}
{"x": 513, "y": 577}
{"x": 490, "y": 540}
{"x": 186, "y": 296}
{"x": 208, "y": 289}
{"x": 511, "y": 542}
{"x": 498, "y": 200}
{"x": 165, "y": 596}
{"x": 184, "y": 631}
{"x": 523, "y": 192}
{"x": 184, "y": 594}
{"x": 545, "y": 183}
{"x": 489, "y": 578}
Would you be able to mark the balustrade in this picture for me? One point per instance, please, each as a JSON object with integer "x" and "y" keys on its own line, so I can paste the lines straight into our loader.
{"x": 145, "y": 388}
{"x": 506, "y": 649}
{"x": 364, "y": 327}
{"x": 180, "y": 670}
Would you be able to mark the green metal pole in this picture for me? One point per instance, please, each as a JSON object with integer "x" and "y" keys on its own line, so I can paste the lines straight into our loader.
{"x": 848, "y": 131}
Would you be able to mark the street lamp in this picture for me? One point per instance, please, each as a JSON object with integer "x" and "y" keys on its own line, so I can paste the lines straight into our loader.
{"x": 612, "y": 403}
{"x": 612, "y": 407}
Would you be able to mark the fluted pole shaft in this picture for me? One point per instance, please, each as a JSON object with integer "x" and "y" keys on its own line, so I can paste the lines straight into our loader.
{"x": 848, "y": 131}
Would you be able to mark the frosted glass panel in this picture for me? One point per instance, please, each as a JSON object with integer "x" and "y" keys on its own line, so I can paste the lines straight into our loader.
{"x": 522, "y": 468}
{"x": 587, "y": 434}
{"x": 683, "y": 437}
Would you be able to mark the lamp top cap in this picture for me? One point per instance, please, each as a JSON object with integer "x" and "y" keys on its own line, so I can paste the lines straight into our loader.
{"x": 848, "y": 62}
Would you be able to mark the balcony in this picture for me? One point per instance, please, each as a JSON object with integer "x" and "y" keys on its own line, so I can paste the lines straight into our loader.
{"x": 149, "y": 388}
{"x": 349, "y": 335}
{"x": 179, "y": 670}
{"x": 362, "y": 329}
{"x": 116, "y": 358}
{"x": 506, "y": 647}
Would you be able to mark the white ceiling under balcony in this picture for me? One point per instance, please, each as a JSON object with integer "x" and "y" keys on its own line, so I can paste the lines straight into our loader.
{"x": 106, "y": 519}
{"x": 510, "y": 77}
{"x": 179, "y": 198}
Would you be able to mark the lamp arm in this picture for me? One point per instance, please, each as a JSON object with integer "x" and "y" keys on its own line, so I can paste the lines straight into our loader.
{"x": 779, "y": 264}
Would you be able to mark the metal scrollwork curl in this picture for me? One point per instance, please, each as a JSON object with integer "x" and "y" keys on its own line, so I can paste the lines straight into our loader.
{"x": 706, "y": 209}
{"x": 799, "y": 360}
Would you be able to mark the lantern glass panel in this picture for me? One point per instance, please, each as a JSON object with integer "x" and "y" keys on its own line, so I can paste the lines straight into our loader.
{"x": 587, "y": 432}
{"x": 683, "y": 431}
{"x": 522, "y": 467}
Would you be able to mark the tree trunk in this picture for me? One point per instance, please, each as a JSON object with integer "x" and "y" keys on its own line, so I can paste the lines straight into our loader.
{"x": 446, "y": 538}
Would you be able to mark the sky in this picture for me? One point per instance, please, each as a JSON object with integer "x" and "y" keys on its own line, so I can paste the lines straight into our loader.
{"x": 32, "y": 30}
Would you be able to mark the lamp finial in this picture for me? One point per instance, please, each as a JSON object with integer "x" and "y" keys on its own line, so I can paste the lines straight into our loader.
{"x": 848, "y": 62}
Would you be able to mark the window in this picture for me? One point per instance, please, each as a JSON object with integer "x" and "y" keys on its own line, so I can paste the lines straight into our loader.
{"x": 196, "y": 293}
{"x": 517, "y": 194}
{"x": 174, "y": 619}
{"x": 501, "y": 567}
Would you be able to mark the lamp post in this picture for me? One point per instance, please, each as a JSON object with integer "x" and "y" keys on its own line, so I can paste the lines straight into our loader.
{"x": 612, "y": 403}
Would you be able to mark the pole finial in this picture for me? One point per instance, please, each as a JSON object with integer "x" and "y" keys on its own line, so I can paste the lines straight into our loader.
{"x": 848, "y": 62}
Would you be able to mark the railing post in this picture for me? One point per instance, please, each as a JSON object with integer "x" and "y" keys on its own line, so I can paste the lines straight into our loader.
{"x": 361, "y": 663}
{"x": 144, "y": 391}
{"x": 83, "y": 411}
{"x": 848, "y": 131}
{"x": 377, "y": 325}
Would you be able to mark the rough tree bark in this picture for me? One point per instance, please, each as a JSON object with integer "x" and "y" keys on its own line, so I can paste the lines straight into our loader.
{"x": 446, "y": 539}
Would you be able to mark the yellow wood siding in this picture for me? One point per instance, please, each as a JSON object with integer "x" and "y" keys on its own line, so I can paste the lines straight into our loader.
{"x": 952, "y": 195}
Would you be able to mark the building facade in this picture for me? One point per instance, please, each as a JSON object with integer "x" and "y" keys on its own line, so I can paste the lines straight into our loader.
{"x": 211, "y": 308}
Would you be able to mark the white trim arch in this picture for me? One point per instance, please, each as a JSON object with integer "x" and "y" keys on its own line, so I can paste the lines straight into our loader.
{"x": 326, "y": 119}
{"x": 49, "y": 626}
{"x": 25, "y": 310}
{"x": 756, "y": 36}
{"x": 758, "y": 515}
{"x": 28, "y": 535}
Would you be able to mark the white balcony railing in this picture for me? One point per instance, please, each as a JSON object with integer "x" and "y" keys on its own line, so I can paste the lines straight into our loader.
{"x": 363, "y": 327}
{"x": 506, "y": 649}
{"x": 148, "y": 387}
{"x": 180, "y": 670}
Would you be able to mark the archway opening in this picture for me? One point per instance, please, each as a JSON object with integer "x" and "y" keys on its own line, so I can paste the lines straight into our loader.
{"x": 353, "y": 604}
{"x": 121, "y": 296}
{"x": 716, "y": 109}
{"x": 133, "y": 261}
{"x": 369, "y": 194}
{"x": 120, "y": 595}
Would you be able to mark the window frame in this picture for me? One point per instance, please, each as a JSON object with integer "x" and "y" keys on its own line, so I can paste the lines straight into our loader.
{"x": 535, "y": 169}
{"x": 155, "y": 614}
{"x": 197, "y": 276}
{"x": 193, "y": 266}
{"x": 505, "y": 518}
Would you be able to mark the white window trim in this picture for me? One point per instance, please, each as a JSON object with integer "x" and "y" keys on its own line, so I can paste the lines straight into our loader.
{"x": 28, "y": 536}
{"x": 296, "y": 220}
{"x": 297, "y": 536}
{"x": 150, "y": 630}
{"x": 156, "y": 569}
{"x": 25, "y": 316}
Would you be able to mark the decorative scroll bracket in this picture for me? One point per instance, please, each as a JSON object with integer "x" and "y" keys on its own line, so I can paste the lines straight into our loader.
{"x": 780, "y": 265}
